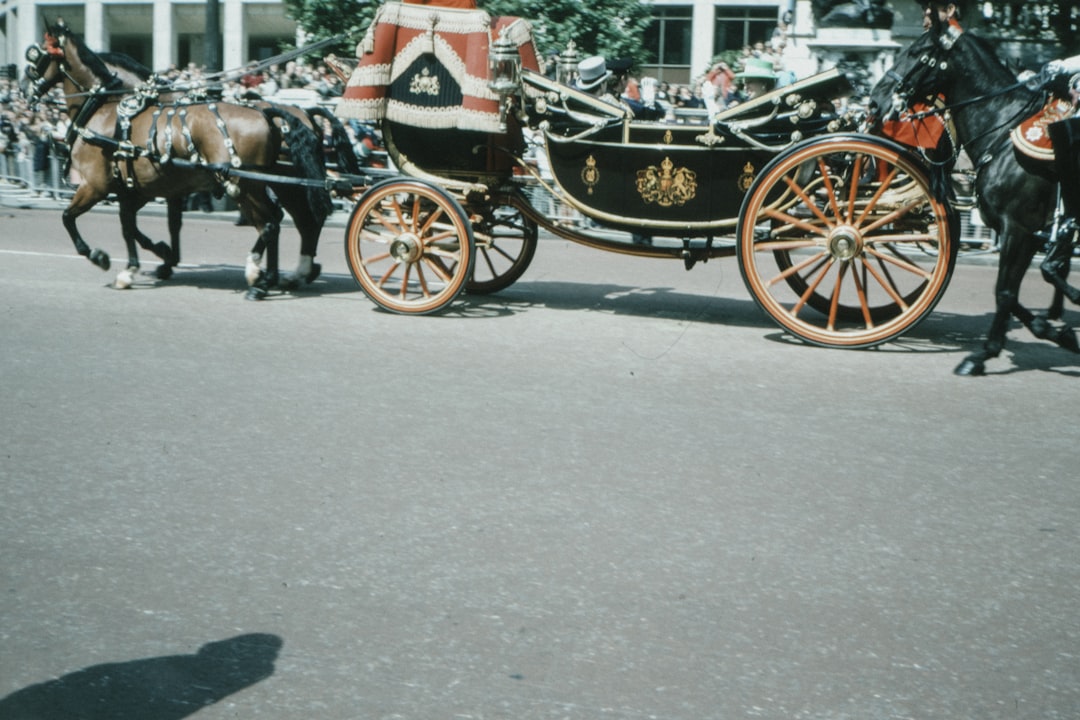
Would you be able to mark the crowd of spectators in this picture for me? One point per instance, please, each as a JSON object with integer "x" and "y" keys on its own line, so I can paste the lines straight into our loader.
{"x": 757, "y": 68}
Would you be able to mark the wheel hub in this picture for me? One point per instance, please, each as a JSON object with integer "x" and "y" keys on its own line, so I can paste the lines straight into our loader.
{"x": 406, "y": 248}
{"x": 845, "y": 242}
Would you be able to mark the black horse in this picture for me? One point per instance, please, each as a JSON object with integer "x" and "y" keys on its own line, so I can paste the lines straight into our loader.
{"x": 1016, "y": 195}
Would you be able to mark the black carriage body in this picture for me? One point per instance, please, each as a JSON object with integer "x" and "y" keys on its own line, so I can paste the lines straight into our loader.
{"x": 672, "y": 179}
{"x": 656, "y": 183}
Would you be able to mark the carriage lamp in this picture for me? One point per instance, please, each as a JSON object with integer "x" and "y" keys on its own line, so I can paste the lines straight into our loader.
{"x": 567, "y": 66}
{"x": 504, "y": 74}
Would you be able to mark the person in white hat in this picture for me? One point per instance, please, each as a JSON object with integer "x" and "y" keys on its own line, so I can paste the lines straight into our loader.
{"x": 593, "y": 76}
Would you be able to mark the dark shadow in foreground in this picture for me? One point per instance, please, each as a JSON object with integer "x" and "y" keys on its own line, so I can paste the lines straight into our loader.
{"x": 161, "y": 688}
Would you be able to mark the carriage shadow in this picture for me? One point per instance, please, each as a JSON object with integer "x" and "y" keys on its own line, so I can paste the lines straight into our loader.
{"x": 158, "y": 688}
{"x": 942, "y": 332}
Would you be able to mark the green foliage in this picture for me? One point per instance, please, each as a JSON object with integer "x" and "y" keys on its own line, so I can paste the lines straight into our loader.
{"x": 612, "y": 28}
{"x": 322, "y": 19}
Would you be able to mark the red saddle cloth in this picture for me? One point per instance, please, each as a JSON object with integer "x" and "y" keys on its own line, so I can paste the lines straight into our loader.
{"x": 1030, "y": 136}
{"x": 919, "y": 132}
{"x": 425, "y": 64}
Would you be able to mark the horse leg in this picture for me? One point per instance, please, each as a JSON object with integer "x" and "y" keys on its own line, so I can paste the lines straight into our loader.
{"x": 1017, "y": 250}
{"x": 1055, "y": 270}
{"x": 309, "y": 226}
{"x": 128, "y": 207}
{"x": 84, "y": 199}
{"x": 175, "y": 207}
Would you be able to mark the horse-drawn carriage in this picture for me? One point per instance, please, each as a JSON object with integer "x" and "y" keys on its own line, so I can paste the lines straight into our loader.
{"x": 840, "y": 236}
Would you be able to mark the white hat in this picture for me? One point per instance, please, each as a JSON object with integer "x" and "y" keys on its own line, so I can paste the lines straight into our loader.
{"x": 591, "y": 72}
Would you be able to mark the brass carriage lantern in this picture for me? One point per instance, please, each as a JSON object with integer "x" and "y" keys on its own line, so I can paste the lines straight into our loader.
{"x": 566, "y": 70}
{"x": 504, "y": 74}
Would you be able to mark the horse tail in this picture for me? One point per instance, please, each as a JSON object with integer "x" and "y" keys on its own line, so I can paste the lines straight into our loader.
{"x": 305, "y": 152}
{"x": 346, "y": 156}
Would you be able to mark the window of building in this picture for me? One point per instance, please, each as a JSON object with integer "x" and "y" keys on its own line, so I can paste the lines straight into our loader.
{"x": 740, "y": 26}
{"x": 135, "y": 46}
{"x": 668, "y": 37}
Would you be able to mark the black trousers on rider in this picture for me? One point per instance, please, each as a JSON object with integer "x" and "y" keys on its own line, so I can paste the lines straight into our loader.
{"x": 1065, "y": 136}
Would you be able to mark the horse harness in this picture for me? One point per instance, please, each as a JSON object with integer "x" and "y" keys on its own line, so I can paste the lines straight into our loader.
{"x": 929, "y": 62}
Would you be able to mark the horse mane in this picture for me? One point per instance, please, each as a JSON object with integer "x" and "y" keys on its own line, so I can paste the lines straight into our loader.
{"x": 92, "y": 60}
{"x": 126, "y": 62}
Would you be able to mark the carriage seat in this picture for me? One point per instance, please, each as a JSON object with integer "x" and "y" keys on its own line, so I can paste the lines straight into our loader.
{"x": 425, "y": 64}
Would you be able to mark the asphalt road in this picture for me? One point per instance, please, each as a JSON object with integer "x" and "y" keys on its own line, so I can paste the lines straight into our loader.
{"x": 614, "y": 490}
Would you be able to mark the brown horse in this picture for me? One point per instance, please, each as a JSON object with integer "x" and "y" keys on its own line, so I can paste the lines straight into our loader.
{"x": 141, "y": 148}
{"x": 135, "y": 76}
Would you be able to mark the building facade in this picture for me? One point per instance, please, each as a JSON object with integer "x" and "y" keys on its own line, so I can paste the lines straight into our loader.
{"x": 159, "y": 34}
{"x": 685, "y": 35}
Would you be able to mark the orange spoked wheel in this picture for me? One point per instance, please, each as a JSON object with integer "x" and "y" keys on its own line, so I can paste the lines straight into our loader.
{"x": 410, "y": 246}
{"x": 842, "y": 242}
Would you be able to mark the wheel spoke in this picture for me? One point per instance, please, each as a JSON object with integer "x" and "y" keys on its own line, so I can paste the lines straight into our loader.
{"x": 423, "y": 281}
{"x": 834, "y": 304}
{"x": 818, "y": 258}
{"x": 438, "y": 268}
{"x": 807, "y": 201}
{"x": 431, "y": 221}
{"x": 887, "y": 285}
{"x": 891, "y": 217}
{"x": 826, "y": 180}
{"x": 388, "y": 274}
{"x": 913, "y": 238}
{"x": 877, "y": 196}
{"x": 794, "y": 221}
{"x": 900, "y": 262}
{"x": 813, "y": 286}
{"x": 773, "y": 245}
{"x": 856, "y": 173}
{"x": 860, "y": 292}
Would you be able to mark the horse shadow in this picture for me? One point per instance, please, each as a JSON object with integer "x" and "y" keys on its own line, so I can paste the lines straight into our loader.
{"x": 159, "y": 688}
{"x": 230, "y": 278}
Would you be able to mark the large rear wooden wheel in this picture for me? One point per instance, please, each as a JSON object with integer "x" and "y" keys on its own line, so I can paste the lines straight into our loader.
{"x": 410, "y": 246}
{"x": 842, "y": 242}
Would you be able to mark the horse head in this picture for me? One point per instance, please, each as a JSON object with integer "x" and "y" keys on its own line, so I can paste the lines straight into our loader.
{"x": 919, "y": 73}
{"x": 62, "y": 56}
{"x": 45, "y": 61}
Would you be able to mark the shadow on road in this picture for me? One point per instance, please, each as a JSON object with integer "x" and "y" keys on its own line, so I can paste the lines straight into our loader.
{"x": 230, "y": 278}
{"x": 161, "y": 688}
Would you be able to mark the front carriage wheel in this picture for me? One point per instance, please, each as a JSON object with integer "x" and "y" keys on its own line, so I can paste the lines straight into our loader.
{"x": 410, "y": 246}
{"x": 842, "y": 243}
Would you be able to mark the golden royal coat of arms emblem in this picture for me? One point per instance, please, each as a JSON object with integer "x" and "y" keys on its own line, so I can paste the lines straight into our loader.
{"x": 667, "y": 185}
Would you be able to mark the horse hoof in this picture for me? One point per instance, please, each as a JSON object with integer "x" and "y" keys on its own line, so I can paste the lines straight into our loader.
{"x": 970, "y": 368}
{"x": 163, "y": 272}
{"x": 316, "y": 270}
{"x": 255, "y": 293}
{"x": 124, "y": 279}
{"x": 1067, "y": 339}
{"x": 101, "y": 259}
